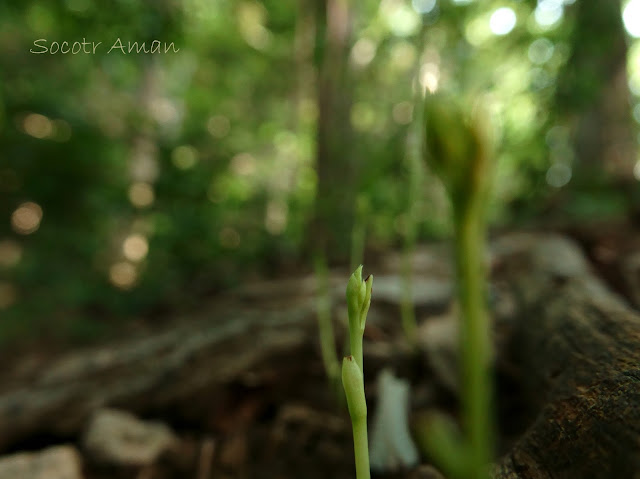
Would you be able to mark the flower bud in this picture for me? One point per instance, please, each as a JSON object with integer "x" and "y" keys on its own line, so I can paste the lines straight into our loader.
{"x": 458, "y": 147}
{"x": 353, "y": 293}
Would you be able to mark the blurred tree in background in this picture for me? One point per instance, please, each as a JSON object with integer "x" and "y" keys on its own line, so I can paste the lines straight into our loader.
{"x": 132, "y": 183}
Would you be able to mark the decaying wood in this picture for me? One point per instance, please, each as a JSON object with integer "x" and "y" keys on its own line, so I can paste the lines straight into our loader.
{"x": 572, "y": 346}
{"x": 150, "y": 372}
{"x": 576, "y": 347}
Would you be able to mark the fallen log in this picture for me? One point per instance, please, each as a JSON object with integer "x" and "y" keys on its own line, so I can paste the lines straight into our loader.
{"x": 575, "y": 347}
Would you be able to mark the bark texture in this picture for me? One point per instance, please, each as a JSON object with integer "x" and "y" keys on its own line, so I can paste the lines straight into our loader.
{"x": 576, "y": 348}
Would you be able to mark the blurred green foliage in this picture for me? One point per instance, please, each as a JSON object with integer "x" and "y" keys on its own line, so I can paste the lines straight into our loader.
{"x": 133, "y": 183}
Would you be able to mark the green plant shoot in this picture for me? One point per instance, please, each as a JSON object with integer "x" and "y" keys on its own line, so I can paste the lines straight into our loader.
{"x": 459, "y": 149}
{"x": 325, "y": 327}
{"x": 358, "y": 302}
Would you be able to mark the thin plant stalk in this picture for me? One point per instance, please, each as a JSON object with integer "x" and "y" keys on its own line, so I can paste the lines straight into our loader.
{"x": 407, "y": 311}
{"x": 459, "y": 148}
{"x": 325, "y": 327}
{"x": 475, "y": 340}
{"x": 358, "y": 302}
{"x": 354, "y": 389}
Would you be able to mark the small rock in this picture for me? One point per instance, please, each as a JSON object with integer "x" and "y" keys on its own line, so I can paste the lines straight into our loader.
{"x": 119, "y": 438}
{"x": 58, "y": 462}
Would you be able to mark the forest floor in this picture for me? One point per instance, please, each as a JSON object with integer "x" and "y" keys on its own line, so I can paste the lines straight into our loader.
{"x": 257, "y": 403}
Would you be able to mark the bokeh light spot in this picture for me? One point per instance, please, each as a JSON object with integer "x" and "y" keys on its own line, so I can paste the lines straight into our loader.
{"x": 401, "y": 19}
{"x": 184, "y": 157}
{"x": 141, "y": 195}
{"x": 540, "y": 51}
{"x": 363, "y": 52}
{"x": 218, "y": 126}
{"x": 243, "y": 164}
{"x": 123, "y": 275}
{"x": 135, "y": 247}
{"x": 631, "y": 18}
{"x": 429, "y": 77}
{"x": 558, "y": 175}
{"x": 548, "y": 12}
{"x": 26, "y": 218}
{"x": 402, "y": 113}
{"x": 363, "y": 116}
{"x": 38, "y": 126}
{"x": 252, "y": 17}
{"x": 423, "y": 6}
{"x": 502, "y": 21}
{"x": 275, "y": 220}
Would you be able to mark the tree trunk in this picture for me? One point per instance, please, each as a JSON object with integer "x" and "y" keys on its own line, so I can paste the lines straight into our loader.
{"x": 331, "y": 225}
{"x": 593, "y": 95}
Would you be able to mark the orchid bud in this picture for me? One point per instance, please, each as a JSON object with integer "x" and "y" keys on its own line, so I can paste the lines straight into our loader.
{"x": 458, "y": 147}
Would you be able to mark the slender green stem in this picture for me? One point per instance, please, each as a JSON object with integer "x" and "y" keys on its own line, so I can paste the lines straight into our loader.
{"x": 361, "y": 447}
{"x": 325, "y": 327}
{"x": 355, "y": 344}
{"x": 475, "y": 335}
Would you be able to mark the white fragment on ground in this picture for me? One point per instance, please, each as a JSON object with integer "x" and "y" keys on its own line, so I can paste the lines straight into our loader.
{"x": 59, "y": 462}
{"x": 391, "y": 444}
{"x": 120, "y": 438}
